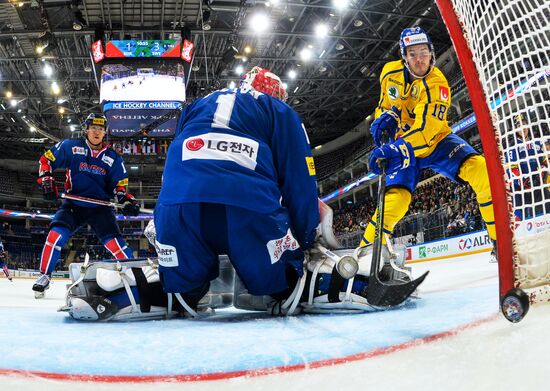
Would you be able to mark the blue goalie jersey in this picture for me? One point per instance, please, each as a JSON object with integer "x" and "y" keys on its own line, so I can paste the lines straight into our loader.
{"x": 243, "y": 148}
{"x": 92, "y": 174}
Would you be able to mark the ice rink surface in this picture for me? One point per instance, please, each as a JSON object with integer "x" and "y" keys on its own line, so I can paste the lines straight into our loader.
{"x": 453, "y": 338}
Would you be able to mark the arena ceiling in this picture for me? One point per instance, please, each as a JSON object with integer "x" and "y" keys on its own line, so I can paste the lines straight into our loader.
{"x": 333, "y": 91}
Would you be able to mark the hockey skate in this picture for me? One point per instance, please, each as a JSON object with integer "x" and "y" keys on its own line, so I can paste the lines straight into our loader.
{"x": 40, "y": 286}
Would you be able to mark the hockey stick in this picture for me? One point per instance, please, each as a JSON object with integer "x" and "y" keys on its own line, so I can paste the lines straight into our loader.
{"x": 390, "y": 293}
{"x": 99, "y": 202}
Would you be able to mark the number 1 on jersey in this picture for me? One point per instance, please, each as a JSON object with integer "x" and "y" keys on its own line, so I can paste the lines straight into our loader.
{"x": 222, "y": 116}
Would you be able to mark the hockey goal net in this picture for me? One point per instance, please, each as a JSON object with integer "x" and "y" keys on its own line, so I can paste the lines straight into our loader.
{"x": 503, "y": 49}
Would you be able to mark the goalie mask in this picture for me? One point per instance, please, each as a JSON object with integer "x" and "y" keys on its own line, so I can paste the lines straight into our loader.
{"x": 264, "y": 81}
{"x": 416, "y": 36}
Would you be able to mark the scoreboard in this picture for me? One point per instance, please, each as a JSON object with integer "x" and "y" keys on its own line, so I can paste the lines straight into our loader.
{"x": 143, "y": 48}
{"x": 142, "y": 81}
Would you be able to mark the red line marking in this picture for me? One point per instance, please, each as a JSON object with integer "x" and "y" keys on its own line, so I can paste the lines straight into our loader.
{"x": 248, "y": 372}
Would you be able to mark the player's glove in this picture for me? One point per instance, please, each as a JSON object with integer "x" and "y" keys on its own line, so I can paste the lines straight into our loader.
{"x": 130, "y": 204}
{"x": 388, "y": 123}
{"x": 396, "y": 156}
{"x": 48, "y": 186}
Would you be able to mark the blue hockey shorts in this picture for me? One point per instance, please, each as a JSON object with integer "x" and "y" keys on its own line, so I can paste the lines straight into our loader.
{"x": 191, "y": 236}
{"x": 102, "y": 220}
{"x": 446, "y": 159}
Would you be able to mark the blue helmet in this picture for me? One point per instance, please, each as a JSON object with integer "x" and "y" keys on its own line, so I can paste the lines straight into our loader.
{"x": 96, "y": 119}
{"x": 414, "y": 36}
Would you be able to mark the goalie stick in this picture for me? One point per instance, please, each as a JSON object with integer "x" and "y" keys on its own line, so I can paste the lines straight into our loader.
{"x": 390, "y": 293}
{"x": 99, "y": 202}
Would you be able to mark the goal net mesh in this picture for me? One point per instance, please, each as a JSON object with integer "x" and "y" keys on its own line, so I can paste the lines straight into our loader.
{"x": 510, "y": 45}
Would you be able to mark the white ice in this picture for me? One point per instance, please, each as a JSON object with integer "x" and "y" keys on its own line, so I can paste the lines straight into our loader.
{"x": 476, "y": 348}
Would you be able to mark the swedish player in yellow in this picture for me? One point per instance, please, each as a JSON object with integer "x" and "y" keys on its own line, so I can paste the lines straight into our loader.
{"x": 412, "y": 111}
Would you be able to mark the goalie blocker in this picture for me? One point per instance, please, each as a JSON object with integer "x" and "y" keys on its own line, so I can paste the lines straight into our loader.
{"x": 129, "y": 290}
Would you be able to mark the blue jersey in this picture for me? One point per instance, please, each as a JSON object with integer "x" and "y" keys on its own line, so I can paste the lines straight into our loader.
{"x": 523, "y": 162}
{"x": 243, "y": 148}
{"x": 93, "y": 174}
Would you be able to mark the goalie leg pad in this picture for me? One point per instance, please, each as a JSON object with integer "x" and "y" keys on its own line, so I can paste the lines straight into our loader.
{"x": 92, "y": 308}
{"x": 110, "y": 280}
{"x": 328, "y": 292}
{"x": 134, "y": 287}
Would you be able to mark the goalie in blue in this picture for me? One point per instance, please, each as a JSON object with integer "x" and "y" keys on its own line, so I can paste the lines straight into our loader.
{"x": 239, "y": 180}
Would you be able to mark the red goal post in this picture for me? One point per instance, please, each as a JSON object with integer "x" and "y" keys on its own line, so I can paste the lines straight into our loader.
{"x": 502, "y": 48}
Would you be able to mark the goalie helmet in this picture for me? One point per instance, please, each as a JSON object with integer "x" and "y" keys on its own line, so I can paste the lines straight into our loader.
{"x": 416, "y": 36}
{"x": 264, "y": 81}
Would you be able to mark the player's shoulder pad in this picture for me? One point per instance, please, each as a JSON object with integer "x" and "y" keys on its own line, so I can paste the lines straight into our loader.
{"x": 436, "y": 77}
{"x": 438, "y": 86}
{"x": 391, "y": 67}
{"x": 70, "y": 142}
{"x": 284, "y": 108}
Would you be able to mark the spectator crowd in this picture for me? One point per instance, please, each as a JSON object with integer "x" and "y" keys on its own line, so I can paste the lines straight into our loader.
{"x": 455, "y": 202}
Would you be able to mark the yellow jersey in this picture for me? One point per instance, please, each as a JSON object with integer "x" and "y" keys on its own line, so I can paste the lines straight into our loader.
{"x": 423, "y": 104}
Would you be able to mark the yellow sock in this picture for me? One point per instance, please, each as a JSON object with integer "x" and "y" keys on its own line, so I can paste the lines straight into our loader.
{"x": 397, "y": 202}
{"x": 474, "y": 171}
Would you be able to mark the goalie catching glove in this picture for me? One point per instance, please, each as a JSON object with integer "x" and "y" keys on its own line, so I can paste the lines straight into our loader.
{"x": 129, "y": 202}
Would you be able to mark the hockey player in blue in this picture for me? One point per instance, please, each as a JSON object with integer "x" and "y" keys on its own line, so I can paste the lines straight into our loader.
{"x": 239, "y": 180}
{"x": 3, "y": 258}
{"x": 524, "y": 162}
{"x": 93, "y": 170}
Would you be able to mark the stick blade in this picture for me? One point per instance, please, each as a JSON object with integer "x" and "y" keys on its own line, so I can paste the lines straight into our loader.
{"x": 392, "y": 293}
